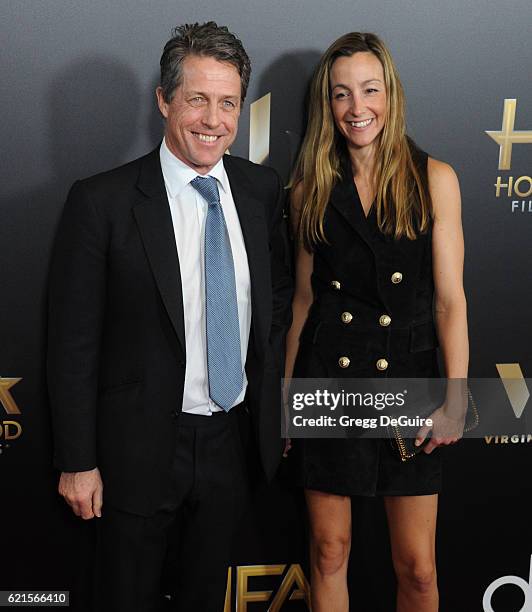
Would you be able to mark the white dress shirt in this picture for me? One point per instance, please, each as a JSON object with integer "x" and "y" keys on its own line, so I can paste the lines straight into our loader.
{"x": 189, "y": 211}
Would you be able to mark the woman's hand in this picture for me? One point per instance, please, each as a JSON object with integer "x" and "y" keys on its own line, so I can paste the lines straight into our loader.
{"x": 447, "y": 428}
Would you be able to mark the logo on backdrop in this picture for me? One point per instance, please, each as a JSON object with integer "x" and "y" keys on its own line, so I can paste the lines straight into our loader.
{"x": 9, "y": 429}
{"x": 518, "y": 395}
{"x": 259, "y": 130}
{"x": 526, "y": 588}
{"x": 293, "y": 586}
{"x": 517, "y": 188}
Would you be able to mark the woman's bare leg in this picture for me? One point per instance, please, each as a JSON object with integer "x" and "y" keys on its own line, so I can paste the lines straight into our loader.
{"x": 412, "y": 524}
{"x": 330, "y": 543}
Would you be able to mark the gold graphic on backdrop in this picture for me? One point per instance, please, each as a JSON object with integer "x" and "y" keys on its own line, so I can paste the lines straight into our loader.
{"x": 227, "y": 603}
{"x": 294, "y": 577}
{"x": 507, "y": 136}
{"x": 244, "y": 596}
{"x": 515, "y": 386}
{"x": 259, "y": 130}
{"x": 10, "y": 430}
{"x": 6, "y": 399}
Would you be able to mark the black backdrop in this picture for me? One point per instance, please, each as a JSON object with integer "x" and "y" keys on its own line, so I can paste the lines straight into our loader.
{"x": 77, "y": 84}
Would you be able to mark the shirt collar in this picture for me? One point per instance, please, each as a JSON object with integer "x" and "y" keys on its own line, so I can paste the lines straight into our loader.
{"x": 177, "y": 175}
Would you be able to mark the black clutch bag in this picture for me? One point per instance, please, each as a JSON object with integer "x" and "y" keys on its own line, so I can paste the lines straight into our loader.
{"x": 403, "y": 440}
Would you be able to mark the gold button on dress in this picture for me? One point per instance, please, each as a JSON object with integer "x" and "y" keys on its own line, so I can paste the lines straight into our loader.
{"x": 347, "y": 317}
{"x": 382, "y": 365}
{"x": 397, "y": 277}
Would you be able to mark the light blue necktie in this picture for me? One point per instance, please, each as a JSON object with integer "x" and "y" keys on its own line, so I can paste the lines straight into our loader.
{"x": 224, "y": 360}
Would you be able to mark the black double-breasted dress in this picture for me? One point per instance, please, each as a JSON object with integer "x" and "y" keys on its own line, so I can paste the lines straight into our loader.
{"x": 372, "y": 317}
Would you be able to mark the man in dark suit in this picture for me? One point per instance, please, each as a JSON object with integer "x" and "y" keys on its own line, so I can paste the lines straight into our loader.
{"x": 169, "y": 301}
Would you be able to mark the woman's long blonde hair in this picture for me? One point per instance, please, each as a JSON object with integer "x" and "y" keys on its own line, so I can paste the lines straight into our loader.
{"x": 402, "y": 199}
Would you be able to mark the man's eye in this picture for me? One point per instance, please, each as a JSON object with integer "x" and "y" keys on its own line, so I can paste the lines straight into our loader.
{"x": 228, "y": 104}
{"x": 196, "y": 100}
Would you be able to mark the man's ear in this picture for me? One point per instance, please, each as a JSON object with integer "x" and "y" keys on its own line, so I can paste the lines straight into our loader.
{"x": 161, "y": 103}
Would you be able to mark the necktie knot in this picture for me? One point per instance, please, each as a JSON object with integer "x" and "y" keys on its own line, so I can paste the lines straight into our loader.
{"x": 207, "y": 187}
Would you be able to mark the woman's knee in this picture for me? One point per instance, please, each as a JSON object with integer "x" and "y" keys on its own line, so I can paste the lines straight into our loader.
{"x": 416, "y": 574}
{"x": 331, "y": 554}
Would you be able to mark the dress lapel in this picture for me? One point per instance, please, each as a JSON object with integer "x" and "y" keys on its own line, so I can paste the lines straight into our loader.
{"x": 345, "y": 199}
{"x": 153, "y": 217}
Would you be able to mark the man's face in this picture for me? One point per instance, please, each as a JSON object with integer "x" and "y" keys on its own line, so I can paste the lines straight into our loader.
{"x": 202, "y": 118}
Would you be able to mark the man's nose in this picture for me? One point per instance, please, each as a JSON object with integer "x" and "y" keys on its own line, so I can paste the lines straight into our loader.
{"x": 211, "y": 116}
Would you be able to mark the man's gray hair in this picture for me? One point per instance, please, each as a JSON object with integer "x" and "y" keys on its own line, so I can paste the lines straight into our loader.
{"x": 208, "y": 40}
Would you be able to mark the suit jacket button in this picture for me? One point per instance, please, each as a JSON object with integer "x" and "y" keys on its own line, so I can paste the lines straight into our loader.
{"x": 397, "y": 277}
{"x": 344, "y": 362}
{"x": 347, "y": 317}
{"x": 385, "y": 320}
{"x": 382, "y": 364}
{"x": 336, "y": 285}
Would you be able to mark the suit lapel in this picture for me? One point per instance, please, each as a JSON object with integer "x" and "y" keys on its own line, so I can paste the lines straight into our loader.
{"x": 153, "y": 217}
{"x": 253, "y": 224}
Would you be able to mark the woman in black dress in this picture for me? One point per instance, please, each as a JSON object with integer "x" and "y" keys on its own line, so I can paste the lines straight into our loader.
{"x": 379, "y": 267}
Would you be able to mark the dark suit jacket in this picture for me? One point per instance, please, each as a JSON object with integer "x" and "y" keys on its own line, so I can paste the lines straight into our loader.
{"x": 116, "y": 341}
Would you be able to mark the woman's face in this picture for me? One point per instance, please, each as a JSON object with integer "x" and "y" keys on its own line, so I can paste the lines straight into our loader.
{"x": 358, "y": 98}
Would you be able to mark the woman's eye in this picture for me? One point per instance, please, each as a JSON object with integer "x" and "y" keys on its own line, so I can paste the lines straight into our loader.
{"x": 340, "y": 95}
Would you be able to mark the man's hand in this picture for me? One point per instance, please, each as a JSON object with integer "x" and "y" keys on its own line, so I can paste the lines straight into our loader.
{"x": 83, "y": 491}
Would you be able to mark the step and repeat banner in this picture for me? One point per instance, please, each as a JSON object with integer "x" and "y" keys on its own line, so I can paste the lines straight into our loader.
{"x": 78, "y": 84}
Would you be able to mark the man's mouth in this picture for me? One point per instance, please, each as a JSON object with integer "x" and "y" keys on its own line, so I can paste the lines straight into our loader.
{"x": 205, "y": 137}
